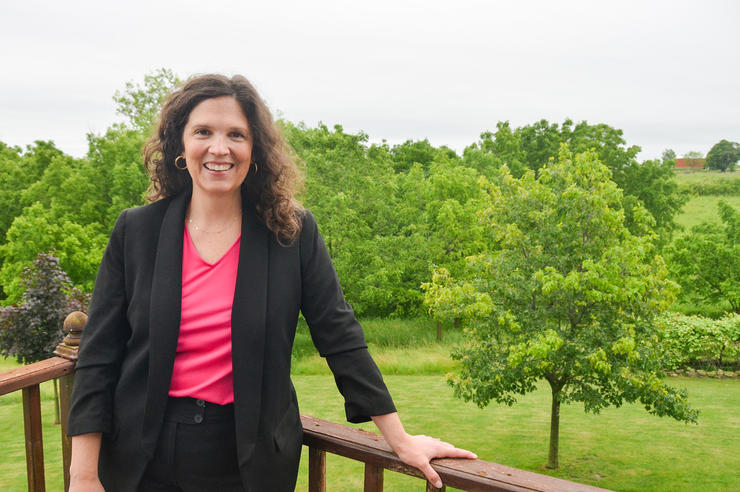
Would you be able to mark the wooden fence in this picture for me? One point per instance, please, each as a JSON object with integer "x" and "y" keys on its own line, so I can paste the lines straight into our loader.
{"x": 320, "y": 436}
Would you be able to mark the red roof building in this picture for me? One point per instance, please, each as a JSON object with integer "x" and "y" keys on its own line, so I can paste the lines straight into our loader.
{"x": 683, "y": 163}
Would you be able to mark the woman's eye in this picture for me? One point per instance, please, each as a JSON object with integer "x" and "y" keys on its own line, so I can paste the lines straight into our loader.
{"x": 237, "y": 135}
{"x": 202, "y": 131}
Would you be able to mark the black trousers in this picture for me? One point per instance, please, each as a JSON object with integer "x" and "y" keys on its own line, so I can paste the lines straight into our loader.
{"x": 196, "y": 451}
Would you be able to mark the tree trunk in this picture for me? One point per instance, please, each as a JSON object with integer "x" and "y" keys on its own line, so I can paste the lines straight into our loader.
{"x": 552, "y": 459}
{"x": 439, "y": 330}
{"x": 56, "y": 401}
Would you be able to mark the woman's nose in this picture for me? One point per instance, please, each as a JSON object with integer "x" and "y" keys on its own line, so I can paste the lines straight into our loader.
{"x": 219, "y": 146}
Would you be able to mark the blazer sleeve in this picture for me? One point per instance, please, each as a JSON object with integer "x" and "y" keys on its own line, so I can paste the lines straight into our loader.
{"x": 336, "y": 333}
{"x": 103, "y": 343}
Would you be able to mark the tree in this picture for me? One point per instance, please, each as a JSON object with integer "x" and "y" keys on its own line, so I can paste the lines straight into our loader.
{"x": 706, "y": 262}
{"x": 140, "y": 104}
{"x": 650, "y": 183}
{"x": 568, "y": 294}
{"x": 51, "y": 200}
{"x": 493, "y": 150}
{"x": 669, "y": 156}
{"x": 30, "y": 331}
{"x": 422, "y": 152}
{"x": 78, "y": 247}
{"x": 723, "y": 156}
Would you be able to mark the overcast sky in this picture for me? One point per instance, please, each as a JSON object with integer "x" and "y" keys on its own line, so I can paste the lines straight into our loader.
{"x": 666, "y": 72}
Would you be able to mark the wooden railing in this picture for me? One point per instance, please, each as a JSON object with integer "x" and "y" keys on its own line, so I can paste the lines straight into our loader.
{"x": 321, "y": 437}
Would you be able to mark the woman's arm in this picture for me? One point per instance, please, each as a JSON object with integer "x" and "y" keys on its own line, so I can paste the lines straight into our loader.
{"x": 417, "y": 451}
{"x": 83, "y": 471}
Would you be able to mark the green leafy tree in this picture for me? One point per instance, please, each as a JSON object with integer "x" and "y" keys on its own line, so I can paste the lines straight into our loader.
{"x": 706, "y": 262}
{"x": 405, "y": 155}
{"x": 669, "y": 157}
{"x": 650, "y": 183}
{"x": 493, "y": 150}
{"x": 568, "y": 294}
{"x": 140, "y": 103}
{"x": 78, "y": 247}
{"x": 723, "y": 156}
{"x": 55, "y": 201}
{"x": 18, "y": 171}
{"x": 13, "y": 180}
{"x": 386, "y": 216}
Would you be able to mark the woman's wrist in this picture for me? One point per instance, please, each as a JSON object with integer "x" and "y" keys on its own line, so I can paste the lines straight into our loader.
{"x": 392, "y": 429}
{"x": 85, "y": 454}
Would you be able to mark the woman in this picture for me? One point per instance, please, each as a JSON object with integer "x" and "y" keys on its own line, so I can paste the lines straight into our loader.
{"x": 183, "y": 378}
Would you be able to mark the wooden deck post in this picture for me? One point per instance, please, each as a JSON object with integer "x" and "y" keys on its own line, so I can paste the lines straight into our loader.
{"x": 316, "y": 470}
{"x": 373, "y": 478}
{"x": 34, "y": 439}
{"x": 73, "y": 326}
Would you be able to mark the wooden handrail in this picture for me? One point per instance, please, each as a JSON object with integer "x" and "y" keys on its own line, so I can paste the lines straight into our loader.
{"x": 33, "y": 374}
{"x": 321, "y": 437}
{"x": 463, "y": 474}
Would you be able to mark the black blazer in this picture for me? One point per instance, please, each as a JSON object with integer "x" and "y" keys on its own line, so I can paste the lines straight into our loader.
{"x": 128, "y": 346}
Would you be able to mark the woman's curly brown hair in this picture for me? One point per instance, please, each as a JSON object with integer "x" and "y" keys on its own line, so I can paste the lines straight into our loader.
{"x": 270, "y": 185}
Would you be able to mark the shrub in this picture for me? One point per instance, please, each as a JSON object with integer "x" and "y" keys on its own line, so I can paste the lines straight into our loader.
{"x": 695, "y": 340}
{"x": 30, "y": 331}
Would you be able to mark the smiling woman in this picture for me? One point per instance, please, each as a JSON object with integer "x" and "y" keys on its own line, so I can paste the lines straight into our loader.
{"x": 183, "y": 378}
{"x": 217, "y": 146}
{"x": 226, "y": 112}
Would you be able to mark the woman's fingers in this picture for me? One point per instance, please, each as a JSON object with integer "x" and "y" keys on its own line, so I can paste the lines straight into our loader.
{"x": 428, "y": 448}
{"x": 454, "y": 452}
{"x": 431, "y": 475}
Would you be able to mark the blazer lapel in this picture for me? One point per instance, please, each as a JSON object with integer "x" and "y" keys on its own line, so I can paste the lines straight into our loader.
{"x": 164, "y": 317}
{"x": 248, "y": 325}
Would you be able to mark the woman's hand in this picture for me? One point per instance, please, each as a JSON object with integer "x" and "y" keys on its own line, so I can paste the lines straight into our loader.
{"x": 417, "y": 451}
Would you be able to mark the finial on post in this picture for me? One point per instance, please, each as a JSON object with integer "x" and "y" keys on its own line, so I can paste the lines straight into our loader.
{"x": 74, "y": 323}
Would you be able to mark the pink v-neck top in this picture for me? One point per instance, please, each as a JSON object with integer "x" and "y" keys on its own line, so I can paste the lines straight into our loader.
{"x": 203, "y": 366}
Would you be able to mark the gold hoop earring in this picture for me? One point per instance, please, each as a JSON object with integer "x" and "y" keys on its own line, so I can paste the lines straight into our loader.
{"x": 256, "y": 167}
{"x": 183, "y": 167}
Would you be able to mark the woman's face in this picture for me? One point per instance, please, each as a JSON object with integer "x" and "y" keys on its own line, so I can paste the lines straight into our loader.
{"x": 218, "y": 146}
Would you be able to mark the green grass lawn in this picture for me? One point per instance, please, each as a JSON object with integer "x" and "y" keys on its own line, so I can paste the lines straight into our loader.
{"x": 621, "y": 449}
{"x": 706, "y": 188}
{"x": 700, "y": 209}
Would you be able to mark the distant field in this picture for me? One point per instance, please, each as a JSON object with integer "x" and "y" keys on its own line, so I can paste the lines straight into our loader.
{"x": 705, "y": 190}
{"x": 703, "y": 183}
{"x": 698, "y": 177}
{"x": 700, "y": 209}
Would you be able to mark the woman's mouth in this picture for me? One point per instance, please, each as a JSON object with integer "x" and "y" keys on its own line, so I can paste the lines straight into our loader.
{"x": 212, "y": 166}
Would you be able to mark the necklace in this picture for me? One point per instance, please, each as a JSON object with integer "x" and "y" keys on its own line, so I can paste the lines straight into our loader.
{"x": 228, "y": 224}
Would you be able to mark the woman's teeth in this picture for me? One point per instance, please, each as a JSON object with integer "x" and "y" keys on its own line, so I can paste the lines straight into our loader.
{"x": 218, "y": 167}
